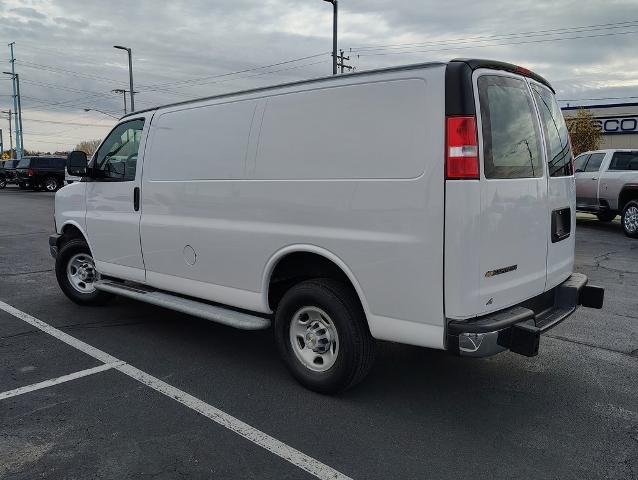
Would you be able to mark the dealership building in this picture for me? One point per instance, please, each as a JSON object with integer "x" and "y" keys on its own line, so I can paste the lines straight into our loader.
{"x": 618, "y": 123}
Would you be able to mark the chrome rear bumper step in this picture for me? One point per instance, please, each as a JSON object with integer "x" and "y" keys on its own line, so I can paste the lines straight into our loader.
{"x": 214, "y": 313}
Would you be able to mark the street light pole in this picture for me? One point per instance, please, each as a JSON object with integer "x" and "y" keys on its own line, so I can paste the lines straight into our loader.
{"x": 335, "y": 9}
{"x": 130, "y": 72}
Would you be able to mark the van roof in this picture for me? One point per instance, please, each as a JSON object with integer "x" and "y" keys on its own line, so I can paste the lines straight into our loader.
{"x": 472, "y": 63}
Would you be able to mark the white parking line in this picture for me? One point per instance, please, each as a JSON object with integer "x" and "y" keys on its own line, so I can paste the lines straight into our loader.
{"x": 282, "y": 450}
{"x": 58, "y": 380}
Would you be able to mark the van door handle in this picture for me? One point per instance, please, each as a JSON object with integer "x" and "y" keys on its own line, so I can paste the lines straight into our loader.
{"x": 594, "y": 178}
{"x": 136, "y": 198}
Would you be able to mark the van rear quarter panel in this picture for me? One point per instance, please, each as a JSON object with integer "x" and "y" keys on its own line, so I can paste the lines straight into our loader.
{"x": 350, "y": 168}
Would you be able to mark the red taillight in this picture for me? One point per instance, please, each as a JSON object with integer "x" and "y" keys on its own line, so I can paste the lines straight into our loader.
{"x": 462, "y": 149}
{"x": 30, "y": 172}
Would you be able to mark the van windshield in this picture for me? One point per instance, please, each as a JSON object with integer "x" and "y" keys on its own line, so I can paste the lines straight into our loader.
{"x": 511, "y": 137}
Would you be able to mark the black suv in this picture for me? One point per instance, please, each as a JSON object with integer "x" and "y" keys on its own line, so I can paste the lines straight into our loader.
{"x": 8, "y": 172}
{"x": 41, "y": 173}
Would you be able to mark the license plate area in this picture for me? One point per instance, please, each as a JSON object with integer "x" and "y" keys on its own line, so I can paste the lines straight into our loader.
{"x": 561, "y": 224}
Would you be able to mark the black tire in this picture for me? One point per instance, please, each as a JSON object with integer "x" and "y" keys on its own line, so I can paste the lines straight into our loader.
{"x": 68, "y": 251}
{"x": 629, "y": 219}
{"x": 355, "y": 354}
{"x": 605, "y": 216}
{"x": 3, "y": 182}
{"x": 22, "y": 186}
{"x": 51, "y": 184}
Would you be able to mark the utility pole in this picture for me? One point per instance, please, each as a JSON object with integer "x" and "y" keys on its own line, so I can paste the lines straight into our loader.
{"x": 10, "y": 135}
{"x": 341, "y": 62}
{"x": 122, "y": 91}
{"x": 1, "y": 144}
{"x": 15, "y": 104}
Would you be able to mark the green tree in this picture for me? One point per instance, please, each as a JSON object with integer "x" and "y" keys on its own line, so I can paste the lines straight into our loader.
{"x": 584, "y": 132}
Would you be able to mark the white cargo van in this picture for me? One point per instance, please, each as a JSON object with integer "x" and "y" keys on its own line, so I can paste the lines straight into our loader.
{"x": 430, "y": 204}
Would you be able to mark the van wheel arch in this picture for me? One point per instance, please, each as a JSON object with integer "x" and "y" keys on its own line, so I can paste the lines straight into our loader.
{"x": 70, "y": 232}
{"x": 298, "y": 266}
{"x": 627, "y": 194}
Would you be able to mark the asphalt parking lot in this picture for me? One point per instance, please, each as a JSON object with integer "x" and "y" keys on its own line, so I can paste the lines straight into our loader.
{"x": 570, "y": 412}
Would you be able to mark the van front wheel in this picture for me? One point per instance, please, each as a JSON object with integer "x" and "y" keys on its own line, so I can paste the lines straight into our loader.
{"x": 322, "y": 335}
{"x": 76, "y": 274}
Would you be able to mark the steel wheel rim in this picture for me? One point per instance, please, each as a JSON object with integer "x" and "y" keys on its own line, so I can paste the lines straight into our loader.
{"x": 51, "y": 184}
{"x": 631, "y": 219}
{"x": 81, "y": 273}
{"x": 314, "y": 339}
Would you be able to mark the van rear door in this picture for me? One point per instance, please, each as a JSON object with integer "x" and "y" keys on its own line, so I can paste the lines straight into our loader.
{"x": 514, "y": 221}
{"x": 561, "y": 187}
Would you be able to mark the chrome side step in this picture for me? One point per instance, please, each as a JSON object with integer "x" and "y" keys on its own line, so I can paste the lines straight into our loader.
{"x": 232, "y": 318}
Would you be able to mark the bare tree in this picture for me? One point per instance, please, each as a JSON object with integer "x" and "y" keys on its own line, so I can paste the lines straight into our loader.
{"x": 88, "y": 146}
{"x": 584, "y": 132}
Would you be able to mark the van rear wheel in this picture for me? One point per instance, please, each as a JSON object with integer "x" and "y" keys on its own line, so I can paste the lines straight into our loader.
{"x": 629, "y": 219}
{"x": 76, "y": 274}
{"x": 322, "y": 335}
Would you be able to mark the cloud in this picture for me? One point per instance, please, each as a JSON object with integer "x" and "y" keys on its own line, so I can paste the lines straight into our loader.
{"x": 67, "y": 62}
{"x": 28, "y": 12}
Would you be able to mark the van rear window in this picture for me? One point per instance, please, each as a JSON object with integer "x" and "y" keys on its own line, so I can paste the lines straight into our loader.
{"x": 559, "y": 154}
{"x": 511, "y": 137}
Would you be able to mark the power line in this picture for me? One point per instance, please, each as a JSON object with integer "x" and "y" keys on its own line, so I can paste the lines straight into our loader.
{"x": 74, "y": 90}
{"x": 210, "y": 77}
{"x": 56, "y": 122}
{"x": 566, "y": 30}
{"x": 499, "y": 44}
{"x": 63, "y": 71}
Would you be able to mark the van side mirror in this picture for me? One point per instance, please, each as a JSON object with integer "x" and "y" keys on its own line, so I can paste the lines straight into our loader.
{"x": 76, "y": 163}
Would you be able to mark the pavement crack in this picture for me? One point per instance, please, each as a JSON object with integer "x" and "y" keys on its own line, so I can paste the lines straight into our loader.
{"x": 585, "y": 344}
{"x": 26, "y": 273}
{"x": 77, "y": 326}
{"x": 29, "y": 332}
{"x": 21, "y": 234}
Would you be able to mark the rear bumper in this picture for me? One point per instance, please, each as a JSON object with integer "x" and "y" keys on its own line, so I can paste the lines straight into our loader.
{"x": 518, "y": 328}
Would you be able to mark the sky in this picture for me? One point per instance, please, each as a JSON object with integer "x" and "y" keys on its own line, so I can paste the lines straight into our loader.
{"x": 188, "y": 49}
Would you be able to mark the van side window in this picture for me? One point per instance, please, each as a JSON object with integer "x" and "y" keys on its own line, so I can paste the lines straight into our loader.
{"x": 116, "y": 160}
{"x": 594, "y": 162}
{"x": 581, "y": 161}
{"x": 559, "y": 154}
{"x": 511, "y": 136}
{"x": 624, "y": 161}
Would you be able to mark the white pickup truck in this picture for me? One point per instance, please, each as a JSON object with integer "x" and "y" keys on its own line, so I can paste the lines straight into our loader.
{"x": 607, "y": 185}
{"x": 431, "y": 204}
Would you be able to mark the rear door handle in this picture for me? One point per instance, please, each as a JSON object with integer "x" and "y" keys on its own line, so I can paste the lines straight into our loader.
{"x": 136, "y": 198}
{"x": 594, "y": 178}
